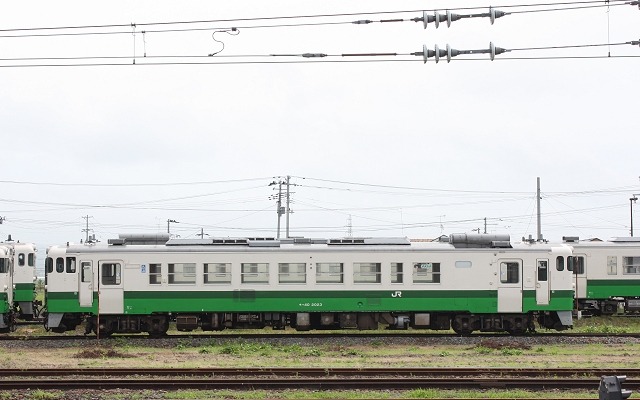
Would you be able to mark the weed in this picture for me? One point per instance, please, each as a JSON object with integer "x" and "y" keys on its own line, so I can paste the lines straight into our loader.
{"x": 42, "y": 395}
{"x": 511, "y": 352}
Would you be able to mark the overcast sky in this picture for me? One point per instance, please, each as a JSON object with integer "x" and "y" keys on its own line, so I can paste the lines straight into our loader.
{"x": 376, "y": 146}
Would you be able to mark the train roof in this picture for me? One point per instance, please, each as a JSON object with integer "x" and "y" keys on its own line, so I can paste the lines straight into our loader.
{"x": 597, "y": 243}
{"x": 161, "y": 243}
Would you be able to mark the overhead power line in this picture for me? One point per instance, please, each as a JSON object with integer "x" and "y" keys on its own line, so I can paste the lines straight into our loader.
{"x": 447, "y": 17}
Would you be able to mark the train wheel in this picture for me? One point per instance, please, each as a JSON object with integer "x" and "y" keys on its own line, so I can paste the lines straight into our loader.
{"x": 516, "y": 331}
{"x": 463, "y": 325}
{"x": 610, "y": 309}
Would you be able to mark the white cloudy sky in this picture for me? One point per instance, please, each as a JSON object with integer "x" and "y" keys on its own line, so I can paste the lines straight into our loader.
{"x": 396, "y": 146}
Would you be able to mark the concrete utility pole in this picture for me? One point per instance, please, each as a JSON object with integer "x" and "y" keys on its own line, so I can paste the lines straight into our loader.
{"x": 539, "y": 214}
{"x": 631, "y": 201}
{"x": 168, "y": 226}
{"x": 86, "y": 230}
{"x": 288, "y": 201}
{"x": 278, "y": 197}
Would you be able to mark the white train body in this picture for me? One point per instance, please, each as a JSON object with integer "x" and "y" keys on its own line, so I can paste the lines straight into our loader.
{"x": 307, "y": 284}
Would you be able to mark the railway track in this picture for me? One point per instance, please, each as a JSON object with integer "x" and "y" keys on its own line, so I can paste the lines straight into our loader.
{"x": 14, "y": 336}
{"x": 312, "y": 379}
{"x": 327, "y": 372}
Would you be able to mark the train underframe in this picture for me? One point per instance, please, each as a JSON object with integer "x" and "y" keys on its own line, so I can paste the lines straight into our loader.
{"x": 610, "y": 306}
{"x": 461, "y": 323}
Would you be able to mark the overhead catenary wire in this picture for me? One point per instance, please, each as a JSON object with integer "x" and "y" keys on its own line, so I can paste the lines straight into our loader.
{"x": 185, "y": 63}
{"x": 306, "y": 24}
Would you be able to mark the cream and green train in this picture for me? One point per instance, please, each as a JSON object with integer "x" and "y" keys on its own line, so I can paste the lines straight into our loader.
{"x": 606, "y": 275}
{"x": 140, "y": 283}
{"x": 17, "y": 283}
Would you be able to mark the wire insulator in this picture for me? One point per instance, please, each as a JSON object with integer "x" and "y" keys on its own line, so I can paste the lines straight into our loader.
{"x": 362, "y": 21}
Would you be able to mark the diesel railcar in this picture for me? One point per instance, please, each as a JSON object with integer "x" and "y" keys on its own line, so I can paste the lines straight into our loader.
{"x": 6, "y": 289}
{"x": 606, "y": 275}
{"x": 17, "y": 281}
{"x": 140, "y": 283}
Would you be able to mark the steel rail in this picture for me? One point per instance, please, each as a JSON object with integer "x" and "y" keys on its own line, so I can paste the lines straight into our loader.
{"x": 273, "y": 383}
{"x": 325, "y": 372}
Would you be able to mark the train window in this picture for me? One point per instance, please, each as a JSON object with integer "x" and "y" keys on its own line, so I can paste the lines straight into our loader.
{"x": 111, "y": 273}
{"x": 426, "y": 272}
{"x": 217, "y": 273}
{"x": 509, "y": 272}
{"x": 85, "y": 271}
{"x": 575, "y": 264}
{"x": 31, "y": 260}
{"x": 71, "y": 265}
{"x": 48, "y": 265}
{"x": 543, "y": 271}
{"x": 463, "y": 264}
{"x": 612, "y": 265}
{"x": 4, "y": 266}
{"x": 329, "y": 273}
{"x": 396, "y": 272}
{"x": 180, "y": 274}
{"x": 292, "y": 273}
{"x": 155, "y": 274}
{"x": 59, "y": 264}
{"x": 560, "y": 263}
{"x": 255, "y": 273}
{"x": 21, "y": 259}
{"x": 366, "y": 272}
{"x": 631, "y": 265}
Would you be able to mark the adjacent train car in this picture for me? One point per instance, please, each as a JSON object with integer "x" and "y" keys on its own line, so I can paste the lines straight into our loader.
{"x": 472, "y": 283}
{"x": 606, "y": 275}
{"x": 17, "y": 280}
{"x": 6, "y": 289}
{"x": 24, "y": 280}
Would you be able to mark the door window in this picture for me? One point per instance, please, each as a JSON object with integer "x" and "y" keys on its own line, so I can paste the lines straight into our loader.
{"x": 543, "y": 271}
{"x": 86, "y": 271}
{"x": 111, "y": 273}
{"x": 509, "y": 272}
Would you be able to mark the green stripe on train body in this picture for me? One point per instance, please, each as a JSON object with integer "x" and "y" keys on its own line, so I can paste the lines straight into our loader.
{"x": 606, "y": 288}
{"x": 24, "y": 292}
{"x": 5, "y": 307}
{"x": 147, "y": 302}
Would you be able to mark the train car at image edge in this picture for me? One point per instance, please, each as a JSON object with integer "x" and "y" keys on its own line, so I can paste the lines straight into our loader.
{"x": 472, "y": 283}
{"x": 17, "y": 283}
{"x": 606, "y": 275}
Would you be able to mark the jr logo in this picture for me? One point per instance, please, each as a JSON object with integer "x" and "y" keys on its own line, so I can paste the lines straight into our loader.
{"x": 398, "y": 293}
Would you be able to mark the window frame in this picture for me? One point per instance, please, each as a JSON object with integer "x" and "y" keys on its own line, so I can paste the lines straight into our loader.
{"x": 376, "y": 273}
{"x": 428, "y": 269}
{"x": 216, "y": 273}
{"x": 334, "y": 269}
{"x": 259, "y": 271}
{"x": 507, "y": 270}
{"x": 301, "y": 273}
{"x": 182, "y": 274}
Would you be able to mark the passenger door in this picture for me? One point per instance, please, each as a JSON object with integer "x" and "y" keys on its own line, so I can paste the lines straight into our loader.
{"x": 542, "y": 282}
{"x": 510, "y": 285}
{"x": 110, "y": 287}
{"x": 85, "y": 289}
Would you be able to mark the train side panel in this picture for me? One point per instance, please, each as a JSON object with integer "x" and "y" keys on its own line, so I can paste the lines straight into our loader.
{"x": 426, "y": 285}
